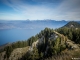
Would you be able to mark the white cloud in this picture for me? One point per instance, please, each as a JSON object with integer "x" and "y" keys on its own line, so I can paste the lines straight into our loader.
{"x": 67, "y": 10}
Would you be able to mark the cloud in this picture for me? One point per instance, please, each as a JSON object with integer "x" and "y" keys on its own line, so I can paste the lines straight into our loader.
{"x": 70, "y": 9}
{"x": 45, "y": 9}
{"x": 30, "y": 11}
{"x": 48, "y": 1}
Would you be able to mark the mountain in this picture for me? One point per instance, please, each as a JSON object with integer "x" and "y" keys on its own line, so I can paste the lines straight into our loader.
{"x": 36, "y": 24}
{"x": 48, "y": 44}
{"x": 72, "y": 24}
{"x": 27, "y": 24}
{"x": 71, "y": 30}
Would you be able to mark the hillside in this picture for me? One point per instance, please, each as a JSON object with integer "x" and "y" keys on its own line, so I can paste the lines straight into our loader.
{"x": 48, "y": 43}
{"x": 16, "y": 54}
{"x": 2, "y": 46}
{"x": 71, "y": 30}
{"x": 72, "y": 24}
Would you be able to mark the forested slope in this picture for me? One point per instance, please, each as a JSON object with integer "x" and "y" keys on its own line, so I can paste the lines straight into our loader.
{"x": 48, "y": 44}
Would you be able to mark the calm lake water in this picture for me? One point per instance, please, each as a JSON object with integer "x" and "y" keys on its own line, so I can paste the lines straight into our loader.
{"x": 13, "y": 35}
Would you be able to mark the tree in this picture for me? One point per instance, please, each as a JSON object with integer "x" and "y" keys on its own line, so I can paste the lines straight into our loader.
{"x": 8, "y": 50}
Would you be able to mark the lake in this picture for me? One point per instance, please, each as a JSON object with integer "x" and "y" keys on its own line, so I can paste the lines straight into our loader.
{"x": 13, "y": 35}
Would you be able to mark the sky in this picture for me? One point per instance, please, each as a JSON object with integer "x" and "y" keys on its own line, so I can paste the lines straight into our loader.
{"x": 40, "y": 9}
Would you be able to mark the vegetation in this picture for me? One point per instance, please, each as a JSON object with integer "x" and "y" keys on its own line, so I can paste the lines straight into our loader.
{"x": 72, "y": 24}
{"x": 18, "y": 44}
{"x": 47, "y": 48}
{"x": 72, "y": 33}
{"x": 71, "y": 30}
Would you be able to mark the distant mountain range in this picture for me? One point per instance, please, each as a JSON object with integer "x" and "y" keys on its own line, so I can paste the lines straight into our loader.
{"x": 29, "y": 24}
{"x": 35, "y": 24}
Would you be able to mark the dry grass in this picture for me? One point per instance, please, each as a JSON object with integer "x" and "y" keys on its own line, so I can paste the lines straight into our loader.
{"x": 18, "y": 53}
{"x": 66, "y": 55}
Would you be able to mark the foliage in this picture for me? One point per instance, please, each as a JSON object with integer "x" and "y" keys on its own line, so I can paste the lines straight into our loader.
{"x": 72, "y": 33}
{"x": 72, "y": 24}
{"x": 49, "y": 47}
{"x": 19, "y": 44}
